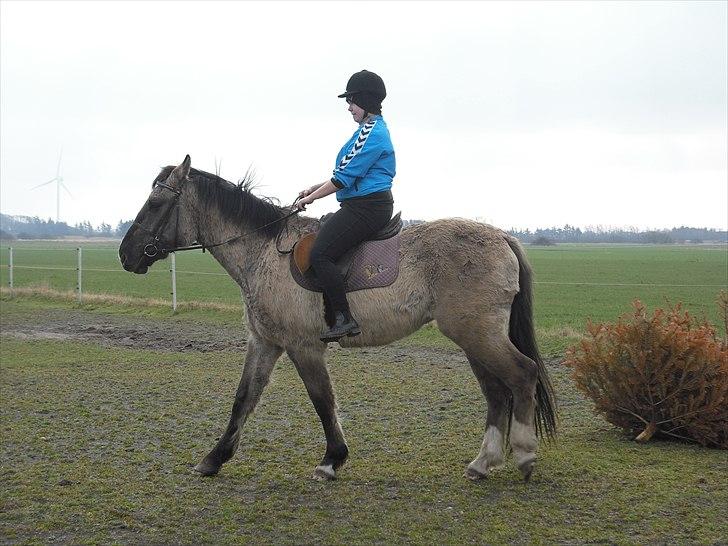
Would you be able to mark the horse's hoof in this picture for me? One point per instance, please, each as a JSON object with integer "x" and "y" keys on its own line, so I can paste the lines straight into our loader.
{"x": 206, "y": 469}
{"x": 474, "y": 475}
{"x": 324, "y": 473}
{"x": 526, "y": 468}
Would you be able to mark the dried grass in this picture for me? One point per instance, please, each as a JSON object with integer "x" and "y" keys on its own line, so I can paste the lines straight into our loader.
{"x": 43, "y": 291}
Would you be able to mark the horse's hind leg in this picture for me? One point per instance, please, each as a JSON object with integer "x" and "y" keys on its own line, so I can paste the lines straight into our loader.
{"x": 311, "y": 367}
{"x": 487, "y": 342}
{"x": 260, "y": 359}
{"x": 519, "y": 373}
{"x": 496, "y": 423}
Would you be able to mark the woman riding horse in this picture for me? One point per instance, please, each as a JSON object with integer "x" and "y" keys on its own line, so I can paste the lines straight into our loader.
{"x": 472, "y": 278}
{"x": 362, "y": 179}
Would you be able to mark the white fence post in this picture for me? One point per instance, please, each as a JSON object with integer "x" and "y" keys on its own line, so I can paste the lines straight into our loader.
{"x": 173, "y": 270}
{"x": 79, "y": 275}
{"x": 10, "y": 271}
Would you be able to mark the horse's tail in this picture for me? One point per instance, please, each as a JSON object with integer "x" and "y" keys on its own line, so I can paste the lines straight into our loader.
{"x": 522, "y": 334}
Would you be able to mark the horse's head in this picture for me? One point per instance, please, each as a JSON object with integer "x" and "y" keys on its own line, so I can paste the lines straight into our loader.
{"x": 160, "y": 224}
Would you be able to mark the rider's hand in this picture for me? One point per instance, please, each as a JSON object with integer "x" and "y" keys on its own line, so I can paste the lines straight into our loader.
{"x": 301, "y": 203}
{"x": 309, "y": 191}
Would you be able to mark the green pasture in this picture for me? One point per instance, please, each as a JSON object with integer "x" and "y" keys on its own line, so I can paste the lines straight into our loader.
{"x": 98, "y": 440}
{"x": 98, "y": 443}
{"x": 199, "y": 276}
{"x": 574, "y": 283}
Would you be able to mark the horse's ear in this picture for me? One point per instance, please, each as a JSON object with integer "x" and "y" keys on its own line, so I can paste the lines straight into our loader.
{"x": 181, "y": 171}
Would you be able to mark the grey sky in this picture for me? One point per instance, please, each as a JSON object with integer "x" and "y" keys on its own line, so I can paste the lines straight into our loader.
{"x": 524, "y": 114}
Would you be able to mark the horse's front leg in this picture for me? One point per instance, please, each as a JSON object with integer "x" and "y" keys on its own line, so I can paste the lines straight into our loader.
{"x": 259, "y": 362}
{"x": 311, "y": 366}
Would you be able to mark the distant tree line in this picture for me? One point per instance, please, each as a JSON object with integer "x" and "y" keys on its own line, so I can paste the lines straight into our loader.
{"x": 25, "y": 227}
{"x": 599, "y": 234}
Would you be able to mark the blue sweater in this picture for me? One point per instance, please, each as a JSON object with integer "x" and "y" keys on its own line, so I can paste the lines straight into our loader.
{"x": 366, "y": 162}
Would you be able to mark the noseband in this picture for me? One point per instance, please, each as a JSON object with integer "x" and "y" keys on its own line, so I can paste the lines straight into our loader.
{"x": 151, "y": 249}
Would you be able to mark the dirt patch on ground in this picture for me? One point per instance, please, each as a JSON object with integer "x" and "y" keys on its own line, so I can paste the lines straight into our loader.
{"x": 134, "y": 332}
{"x": 181, "y": 336}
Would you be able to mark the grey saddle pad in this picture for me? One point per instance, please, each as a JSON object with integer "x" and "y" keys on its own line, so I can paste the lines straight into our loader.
{"x": 372, "y": 264}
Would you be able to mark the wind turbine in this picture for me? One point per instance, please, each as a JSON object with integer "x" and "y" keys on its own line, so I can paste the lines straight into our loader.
{"x": 58, "y": 179}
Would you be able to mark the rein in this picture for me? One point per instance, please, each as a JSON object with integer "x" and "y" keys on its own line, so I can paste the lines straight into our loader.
{"x": 151, "y": 249}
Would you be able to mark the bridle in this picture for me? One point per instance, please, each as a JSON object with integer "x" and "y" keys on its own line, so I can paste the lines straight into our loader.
{"x": 152, "y": 249}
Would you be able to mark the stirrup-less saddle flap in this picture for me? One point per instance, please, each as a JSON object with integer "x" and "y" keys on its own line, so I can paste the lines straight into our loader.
{"x": 302, "y": 248}
{"x": 302, "y": 251}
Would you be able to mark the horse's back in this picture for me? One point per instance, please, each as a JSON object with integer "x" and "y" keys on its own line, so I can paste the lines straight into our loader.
{"x": 473, "y": 274}
{"x": 461, "y": 254}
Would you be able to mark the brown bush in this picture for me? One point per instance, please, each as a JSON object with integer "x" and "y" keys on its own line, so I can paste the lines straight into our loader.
{"x": 665, "y": 375}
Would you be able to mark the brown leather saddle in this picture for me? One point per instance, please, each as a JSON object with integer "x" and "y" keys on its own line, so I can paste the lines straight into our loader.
{"x": 372, "y": 264}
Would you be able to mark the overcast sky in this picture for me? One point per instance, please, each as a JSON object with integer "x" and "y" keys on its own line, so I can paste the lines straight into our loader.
{"x": 522, "y": 114}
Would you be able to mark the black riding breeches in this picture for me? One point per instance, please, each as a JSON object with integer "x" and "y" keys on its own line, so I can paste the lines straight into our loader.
{"x": 354, "y": 222}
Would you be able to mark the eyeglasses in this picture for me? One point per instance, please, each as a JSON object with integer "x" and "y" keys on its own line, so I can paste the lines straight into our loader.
{"x": 348, "y": 100}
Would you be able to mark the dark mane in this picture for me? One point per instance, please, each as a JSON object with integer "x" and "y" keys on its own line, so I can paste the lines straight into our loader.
{"x": 234, "y": 201}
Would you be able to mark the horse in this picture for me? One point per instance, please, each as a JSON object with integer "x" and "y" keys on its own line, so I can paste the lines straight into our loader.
{"x": 471, "y": 278}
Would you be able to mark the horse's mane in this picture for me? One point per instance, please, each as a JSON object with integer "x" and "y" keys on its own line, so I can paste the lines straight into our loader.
{"x": 235, "y": 202}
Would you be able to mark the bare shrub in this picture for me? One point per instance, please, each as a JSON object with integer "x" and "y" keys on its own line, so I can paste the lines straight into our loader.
{"x": 665, "y": 375}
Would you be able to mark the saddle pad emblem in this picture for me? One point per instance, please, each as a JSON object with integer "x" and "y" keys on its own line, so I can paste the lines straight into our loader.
{"x": 372, "y": 271}
{"x": 374, "y": 264}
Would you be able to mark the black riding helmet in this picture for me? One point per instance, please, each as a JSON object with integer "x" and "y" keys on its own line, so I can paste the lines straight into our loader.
{"x": 366, "y": 90}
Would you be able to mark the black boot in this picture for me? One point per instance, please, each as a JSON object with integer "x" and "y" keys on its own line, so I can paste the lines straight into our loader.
{"x": 344, "y": 325}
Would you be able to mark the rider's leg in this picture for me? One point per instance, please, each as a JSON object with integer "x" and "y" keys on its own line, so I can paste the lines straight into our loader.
{"x": 353, "y": 223}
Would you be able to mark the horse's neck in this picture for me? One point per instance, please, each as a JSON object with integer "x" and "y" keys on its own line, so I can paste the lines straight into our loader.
{"x": 241, "y": 258}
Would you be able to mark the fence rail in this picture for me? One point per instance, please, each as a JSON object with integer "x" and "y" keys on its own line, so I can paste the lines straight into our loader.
{"x": 80, "y": 270}
{"x": 10, "y": 274}
{"x": 12, "y": 266}
{"x": 97, "y": 270}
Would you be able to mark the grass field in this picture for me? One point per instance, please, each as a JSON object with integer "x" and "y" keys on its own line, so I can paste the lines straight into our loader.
{"x": 104, "y": 410}
{"x": 574, "y": 283}
{"x": 99, "y": 440}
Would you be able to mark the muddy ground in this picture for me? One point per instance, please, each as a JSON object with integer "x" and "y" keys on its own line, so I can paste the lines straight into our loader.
{"x": 140, "y": 332}
{"x": 122, "y": 331}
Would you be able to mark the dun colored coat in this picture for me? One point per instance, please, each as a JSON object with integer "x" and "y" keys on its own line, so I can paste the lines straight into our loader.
{"x": 471, "y": 278}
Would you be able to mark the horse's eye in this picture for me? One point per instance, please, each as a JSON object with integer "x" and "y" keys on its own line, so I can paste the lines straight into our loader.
{"x": 154, "y": 204}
